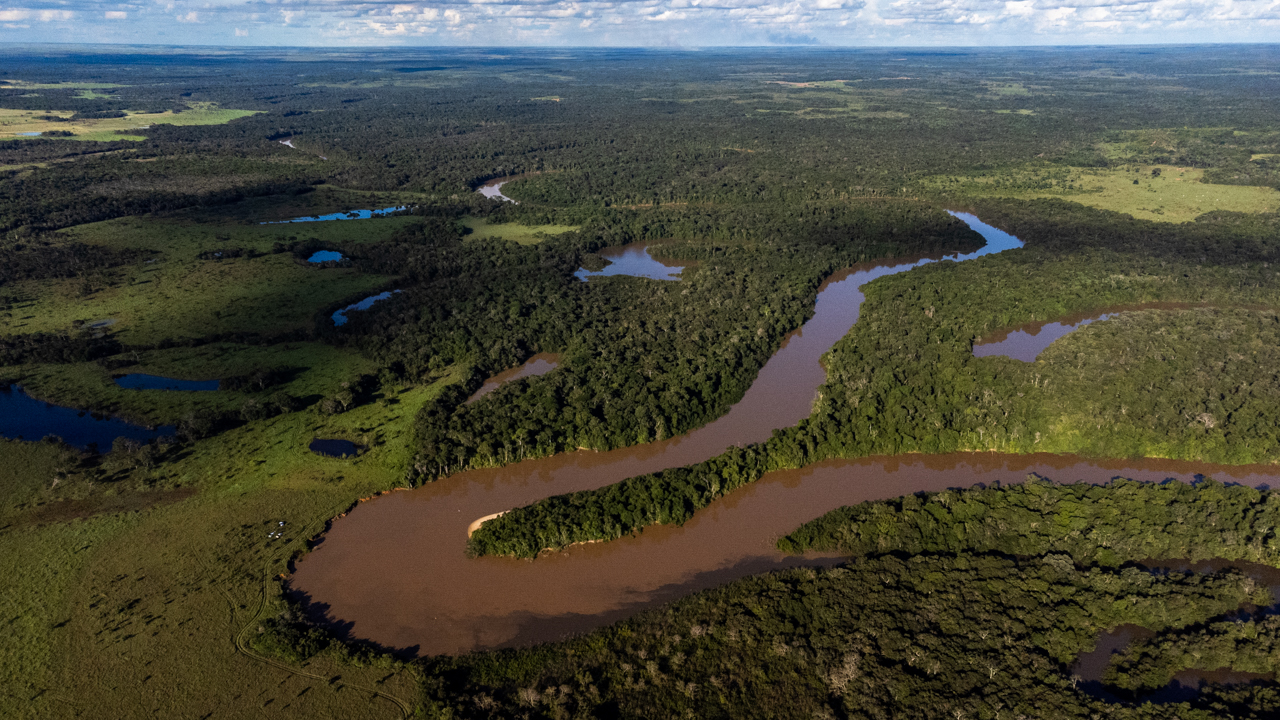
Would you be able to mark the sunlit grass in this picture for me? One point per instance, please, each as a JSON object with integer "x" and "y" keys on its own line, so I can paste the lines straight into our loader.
{"x": 13, "y": 121}
{"x": 192, "y": 299}
{"x": 129, "y": 597}
{"x": 315, "y": 370}
{"x": 1148, "y": 192}
{"x": 522, "y": 234}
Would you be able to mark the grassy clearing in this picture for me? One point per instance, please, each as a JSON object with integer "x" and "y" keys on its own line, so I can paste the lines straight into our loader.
{"x": 193, "y": 299}
{"x": 822, "y": 99}
{"x": 13, "y": 122}
{"x": 522, "y": 234}
{"x": 175, "y": 294}
{"x": 1173, "y": 195}
{"x": 1007, "y": 89}
{"x": 831, "y": 84}
{"x": 318, "y": 370}
{"x": 155, "y": 604}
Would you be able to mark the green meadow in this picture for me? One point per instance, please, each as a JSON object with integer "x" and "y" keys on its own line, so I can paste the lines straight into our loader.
{"x": 1163, "y": 193}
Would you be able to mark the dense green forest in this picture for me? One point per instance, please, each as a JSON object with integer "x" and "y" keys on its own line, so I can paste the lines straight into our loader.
{"x": 905, "y": 379}
{"x": 968, "y": 603}
{"x": 145, "y": 577}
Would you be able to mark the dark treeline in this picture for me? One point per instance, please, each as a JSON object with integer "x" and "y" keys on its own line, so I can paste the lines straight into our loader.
{"x": 40, "y": 258}
{"x": 905, "y": 380}
{"x": 70, "y": 347}
{"x": 1207, "y": 520}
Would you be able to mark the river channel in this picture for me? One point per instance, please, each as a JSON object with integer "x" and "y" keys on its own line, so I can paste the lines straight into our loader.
{"x": 393, "y": 570}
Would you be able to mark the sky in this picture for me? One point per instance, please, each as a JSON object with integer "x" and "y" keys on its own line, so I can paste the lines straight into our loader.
{"x": 640, "y": 23}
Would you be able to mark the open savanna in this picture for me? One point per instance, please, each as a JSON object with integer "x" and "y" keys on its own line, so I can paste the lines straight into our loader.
{"x": 13, "y": 122}
{"x": 312, "y": 370}
{"x": 191, "y": 299}
{"x": 173, "y": 293}
{"x": 1163, "y": 193}
{"x": 515, "y": 232}
{"x": 159, "y": 603}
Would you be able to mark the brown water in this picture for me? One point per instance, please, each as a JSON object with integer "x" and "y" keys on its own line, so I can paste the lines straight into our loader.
{"x": 394, "y": 571}
{"x": 1090, "y": 667}
{"x": 539, "y": 364}
{"x": 1026, "y": 342}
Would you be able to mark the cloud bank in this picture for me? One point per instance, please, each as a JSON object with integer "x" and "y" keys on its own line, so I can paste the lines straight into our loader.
{"x": 690, "y": 23}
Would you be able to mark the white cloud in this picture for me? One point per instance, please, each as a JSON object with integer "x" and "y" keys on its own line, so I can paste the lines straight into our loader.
{"x": 674, "y": 22}
{"x": 12, "y": 14}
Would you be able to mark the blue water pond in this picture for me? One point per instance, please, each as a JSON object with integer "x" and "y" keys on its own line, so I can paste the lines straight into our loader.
{"x": 23, "y": 417}
{"x": 335, "y": 448}
{"x": 340, "y": 317}
{"x": 633, "y": 260}
{"x": 139, "y": 381}
{"x": 349, "y": 215}
{"x": 325, "y": 256}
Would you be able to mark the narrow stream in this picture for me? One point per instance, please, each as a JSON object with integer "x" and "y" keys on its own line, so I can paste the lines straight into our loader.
{"x": 394, "y": 571}
{"x": 539, "y": 364}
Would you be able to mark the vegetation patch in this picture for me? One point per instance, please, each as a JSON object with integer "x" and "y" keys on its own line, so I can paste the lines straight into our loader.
{"x": 15, "y": 122}
{"x": 1148, "y": 192}
{"x": 515, "y": 232}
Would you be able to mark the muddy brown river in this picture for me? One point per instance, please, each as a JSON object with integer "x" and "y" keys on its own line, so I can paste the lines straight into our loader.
{"x": 393, "y": 570}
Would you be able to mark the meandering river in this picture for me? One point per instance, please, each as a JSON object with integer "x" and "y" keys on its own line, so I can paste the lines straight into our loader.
{"x": 394, "y": 571}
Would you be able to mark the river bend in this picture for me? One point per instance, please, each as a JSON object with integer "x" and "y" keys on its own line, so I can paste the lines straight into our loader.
{"x": 394, "y": 570}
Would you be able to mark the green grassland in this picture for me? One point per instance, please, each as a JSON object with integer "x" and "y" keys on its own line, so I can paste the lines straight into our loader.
{"x": 106, "y": 129}
{"x": 192, "y": 299}
{"x": 176, "y": 294}
{"x": 124, "y": 597}
{"x": 1175, "y": 194}
{"x": 314, "y": 369}
{"x": 515, "y": 232}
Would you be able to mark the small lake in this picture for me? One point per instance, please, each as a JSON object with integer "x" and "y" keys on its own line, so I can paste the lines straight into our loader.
{"x": 334, "y": 448}
{"x": 633, "y": 260}
{"x": 349, "y": 215}
{"x": 539, "y": 364}
{"x": 340, "y": 316}
{"x": 493, "y": 190}
{"x": 1026, "y": 342}
{"x": 321, "y": 256}
{"x": 23, "y": 417}
{"x": 140, "y": 381}
{"x": 28, "y": 134}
